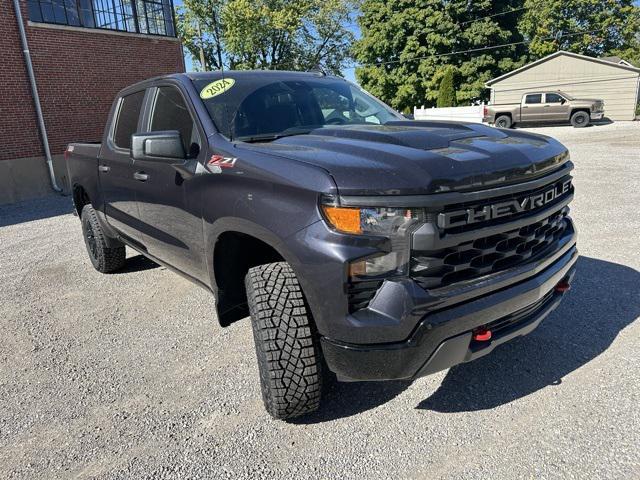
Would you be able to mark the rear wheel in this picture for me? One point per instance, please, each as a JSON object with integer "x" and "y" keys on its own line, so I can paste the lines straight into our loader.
{"x": 287, "y": 346}
{"x": 504, "y": 121}
{"x": 104, "y": 259}
{"x": 580, "y": 119}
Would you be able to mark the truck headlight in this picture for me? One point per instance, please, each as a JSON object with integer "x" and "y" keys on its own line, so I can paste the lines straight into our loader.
{"x": 393, "y": 223}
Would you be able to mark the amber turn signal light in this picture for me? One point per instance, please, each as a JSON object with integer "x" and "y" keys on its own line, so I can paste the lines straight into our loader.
{"x": 346, "y": 220}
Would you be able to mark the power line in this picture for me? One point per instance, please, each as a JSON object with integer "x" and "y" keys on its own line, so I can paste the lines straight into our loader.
{"x": 494, "y": 15}
{"x": 474, "y": 50}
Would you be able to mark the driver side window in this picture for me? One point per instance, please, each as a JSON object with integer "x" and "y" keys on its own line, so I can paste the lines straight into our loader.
{"x": 534, "y": 98}
{"x": 170, "y": 113}
{"x": 554, "y": 98}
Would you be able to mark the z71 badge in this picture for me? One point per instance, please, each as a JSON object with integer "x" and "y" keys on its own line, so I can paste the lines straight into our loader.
{"x": 217, "y": 162}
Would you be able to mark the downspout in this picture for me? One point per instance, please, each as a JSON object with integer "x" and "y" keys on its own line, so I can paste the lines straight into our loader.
{"x": 36, "y": 97}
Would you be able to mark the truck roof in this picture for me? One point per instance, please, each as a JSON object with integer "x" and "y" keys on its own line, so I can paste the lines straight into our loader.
{"x": 252, "y": 73}
{"x": 216, "y": 75}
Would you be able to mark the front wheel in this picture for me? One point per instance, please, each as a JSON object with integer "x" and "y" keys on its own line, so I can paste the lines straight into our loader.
{"x": 504, "y": 121}
{"x": 580, "y": 119}
{"x": 287, "y": 346}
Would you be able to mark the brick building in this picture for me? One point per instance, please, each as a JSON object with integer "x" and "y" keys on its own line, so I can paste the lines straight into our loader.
{"x": 83, "y": 52}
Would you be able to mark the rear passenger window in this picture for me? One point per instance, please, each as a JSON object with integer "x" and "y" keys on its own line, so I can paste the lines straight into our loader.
{"x": 171, "y": 113}
{"x": 534, "y": 98}
{"x": 127, "y": 122}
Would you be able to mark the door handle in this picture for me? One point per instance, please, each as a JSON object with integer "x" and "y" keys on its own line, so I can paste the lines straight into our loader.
{"x": 143, "y": 177}
{"x": 525, "y": 106}
{"x": 547, "y": 106}
{"x": 104, "y": 168}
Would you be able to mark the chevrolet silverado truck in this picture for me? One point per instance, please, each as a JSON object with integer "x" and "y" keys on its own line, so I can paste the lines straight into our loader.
{"x": 545, "y": 107}
{"x": 363, "y": 246}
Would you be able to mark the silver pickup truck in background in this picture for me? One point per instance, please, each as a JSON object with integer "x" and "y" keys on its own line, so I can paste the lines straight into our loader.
{"x": 545, "y": 107}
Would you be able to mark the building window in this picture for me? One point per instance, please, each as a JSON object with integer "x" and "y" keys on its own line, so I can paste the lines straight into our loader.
{"x": 153, "y": 17}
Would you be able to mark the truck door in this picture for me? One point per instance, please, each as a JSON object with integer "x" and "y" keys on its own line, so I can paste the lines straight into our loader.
{"x": 170, "y": 209}
{"x": 556, "y": 107}
{"x": 532, "y": 108}
{"x": 115, "y": 167}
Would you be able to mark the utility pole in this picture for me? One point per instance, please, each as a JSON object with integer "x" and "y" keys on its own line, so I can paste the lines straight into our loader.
{"x": 202, "y": 60}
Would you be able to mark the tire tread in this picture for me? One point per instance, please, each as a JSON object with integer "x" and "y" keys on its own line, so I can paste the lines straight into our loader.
{"x": 289, "y": 359}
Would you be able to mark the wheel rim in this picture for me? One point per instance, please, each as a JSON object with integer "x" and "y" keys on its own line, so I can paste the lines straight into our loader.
{"x": 502, "y": 123}
{"x": 91, "y": 241}
{"x": 580, "y": 119}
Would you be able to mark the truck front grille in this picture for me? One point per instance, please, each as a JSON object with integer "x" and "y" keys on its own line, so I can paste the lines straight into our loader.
{"x": 465, "y": 251}
{"x": 486, "y": 255}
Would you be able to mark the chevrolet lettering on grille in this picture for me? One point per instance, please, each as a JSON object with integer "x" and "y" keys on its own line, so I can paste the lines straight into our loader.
{"x": 485, "y": 213}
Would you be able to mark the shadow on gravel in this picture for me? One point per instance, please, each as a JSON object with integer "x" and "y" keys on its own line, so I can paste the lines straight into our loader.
{"x": 30, "y": 210}
{"x": 346, "y": 399}
{"x": 139, "y": 263}
{"x": 603, "y": 301}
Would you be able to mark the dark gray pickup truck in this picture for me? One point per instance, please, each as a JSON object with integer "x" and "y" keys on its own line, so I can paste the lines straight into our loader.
{"x": 364, "y": 246}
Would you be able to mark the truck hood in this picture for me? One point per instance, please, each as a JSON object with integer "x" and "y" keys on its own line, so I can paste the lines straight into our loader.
{"x": 413, "y": 157}
{"x": 585, "y": 101}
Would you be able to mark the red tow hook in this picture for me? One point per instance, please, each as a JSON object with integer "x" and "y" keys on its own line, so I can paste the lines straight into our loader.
{"x": 481, "y": 334}
{"x": 562, "y": 286}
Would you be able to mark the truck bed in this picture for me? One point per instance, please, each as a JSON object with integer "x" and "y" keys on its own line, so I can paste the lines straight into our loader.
{"x": 82, "y": 165}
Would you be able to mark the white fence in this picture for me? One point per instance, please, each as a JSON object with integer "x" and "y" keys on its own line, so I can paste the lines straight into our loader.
{"x": 463, "y": 114}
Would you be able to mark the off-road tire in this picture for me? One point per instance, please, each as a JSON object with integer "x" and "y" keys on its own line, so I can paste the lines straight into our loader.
{"x": 104, "y": 259}
{"x": 503, "y": 121}
{"x": 580, "y": 119}
{"x": 287, "y": 346}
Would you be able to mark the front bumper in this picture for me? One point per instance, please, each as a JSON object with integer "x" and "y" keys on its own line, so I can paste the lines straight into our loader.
{"x": 597, "y": 115}
{"x": 444, "y": 338}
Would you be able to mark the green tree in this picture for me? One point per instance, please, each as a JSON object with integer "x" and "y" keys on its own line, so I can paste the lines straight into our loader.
{"x": 406, "y": 47}
{"x": 447, "y": 90}
{"x": 268, "y": 34}
{"x": 551, "y": 25}
{"x": 200, "y": 29}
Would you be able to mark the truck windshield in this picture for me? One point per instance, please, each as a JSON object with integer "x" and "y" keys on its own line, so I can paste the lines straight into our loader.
{"x": 566, "y": 95}
{"x": 260, "y": 107}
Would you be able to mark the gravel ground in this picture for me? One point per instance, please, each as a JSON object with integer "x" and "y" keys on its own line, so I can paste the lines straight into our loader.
{"x": 129, "y": 376}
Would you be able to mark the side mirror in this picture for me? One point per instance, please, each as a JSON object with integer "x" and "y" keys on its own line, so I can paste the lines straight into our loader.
{"x": 163, "y": 146}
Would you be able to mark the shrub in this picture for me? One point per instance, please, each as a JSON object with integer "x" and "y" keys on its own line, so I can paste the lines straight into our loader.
{"x": 447, "y": 91}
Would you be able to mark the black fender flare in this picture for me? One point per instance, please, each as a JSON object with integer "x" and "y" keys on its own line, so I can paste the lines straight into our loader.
{"x": 227, "y": 314}
{"x": 233, "y": 224}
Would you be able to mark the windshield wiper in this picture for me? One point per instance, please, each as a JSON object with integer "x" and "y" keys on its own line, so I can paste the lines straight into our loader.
{"x": 271, "y": 136}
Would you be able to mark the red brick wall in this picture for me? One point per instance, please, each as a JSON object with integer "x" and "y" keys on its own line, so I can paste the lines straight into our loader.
{"x": 78, "y": 74}
{"x": 18, "y": 128}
